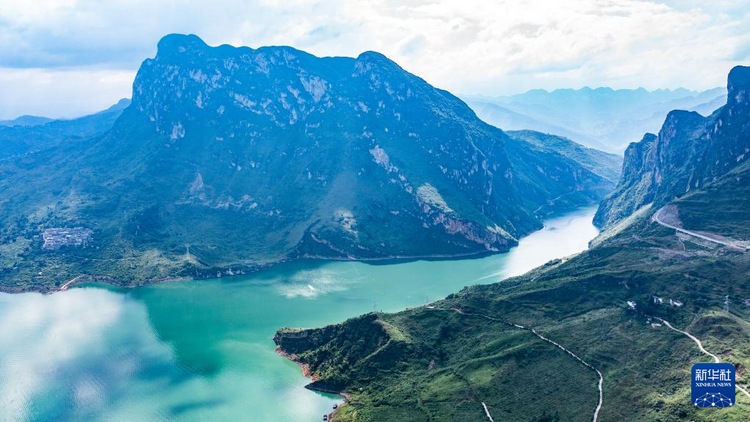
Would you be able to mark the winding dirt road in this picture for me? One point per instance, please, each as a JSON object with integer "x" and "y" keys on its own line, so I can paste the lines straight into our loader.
{"x": 692, "y": 337}
{"x": 487, "y": 411}
{"x": 533, "y": 331}
{"x": 658, "y": 217}
{"x": 601, "y": 377}
{"x": 700, "y": 346}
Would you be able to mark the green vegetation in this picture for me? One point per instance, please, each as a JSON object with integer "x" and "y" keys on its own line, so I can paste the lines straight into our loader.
{"x": 689, "y": 153}
{"x": 731, "y": 195}
{"x": 31, "y": 134}
{"x": 556, "y": 174}
{"x": 598, "y": 162}
{"x": 230, "y": 159}
{"x": 443, "y": 364}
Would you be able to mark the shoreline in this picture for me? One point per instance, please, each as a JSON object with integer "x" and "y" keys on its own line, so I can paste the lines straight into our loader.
{"x": 308, "y": 374}
{"x": 383, "y": 260}
{"x": 294, "y": 358}
{"x": 87, "y": 278}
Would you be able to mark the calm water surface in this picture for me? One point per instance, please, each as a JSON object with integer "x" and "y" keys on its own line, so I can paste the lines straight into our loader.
{"x": 202, "y": 350}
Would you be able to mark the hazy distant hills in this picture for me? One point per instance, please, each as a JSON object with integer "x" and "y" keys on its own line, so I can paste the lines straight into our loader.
{"x": 31, "y": 133}
{"x": 601, "y": 118}
{"x": 26, "y": 121}
{"x": 229, "y": 158}
{"x": 490, "y": 348}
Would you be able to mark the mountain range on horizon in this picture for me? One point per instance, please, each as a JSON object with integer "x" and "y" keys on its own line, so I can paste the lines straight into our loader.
{"x": 32, "y": 120}
{"x": 26, "y": 120}
{"x": 231, "y": 159}
{"x": 603, "y": 118}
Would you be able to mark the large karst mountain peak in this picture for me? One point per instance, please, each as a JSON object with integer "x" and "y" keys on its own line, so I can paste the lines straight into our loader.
{"x": 233, "y": 157}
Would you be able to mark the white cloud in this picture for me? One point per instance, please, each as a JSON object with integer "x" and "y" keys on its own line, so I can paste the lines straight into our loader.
{"x": 45, "y": 335}
{"x": 468, "y": 46}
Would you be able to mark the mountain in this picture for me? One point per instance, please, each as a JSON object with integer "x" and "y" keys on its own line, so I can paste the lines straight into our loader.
{"x": 598, "y": 335}
{"x": 503, "y": 117}
{"x": 26, "y": 120}
{"x": 601, "y": 118}
{"x": 605, "y": 165}
{"x": 689, "y": 152}
{"x": 709, "y": 106}
{"x": 29, "y": 133}
{"x": 569, "y": 175}
{"x": 229, "y": 159}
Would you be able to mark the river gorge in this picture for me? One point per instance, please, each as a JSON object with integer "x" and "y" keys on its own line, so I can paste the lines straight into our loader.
{"x": 199, "y": 350}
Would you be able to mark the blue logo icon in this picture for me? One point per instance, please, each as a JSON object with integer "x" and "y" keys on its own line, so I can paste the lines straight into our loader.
{"x": 712, "y": 385}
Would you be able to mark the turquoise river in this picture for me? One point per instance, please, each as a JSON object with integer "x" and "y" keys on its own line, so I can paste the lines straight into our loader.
{"x": 202, "y": 350}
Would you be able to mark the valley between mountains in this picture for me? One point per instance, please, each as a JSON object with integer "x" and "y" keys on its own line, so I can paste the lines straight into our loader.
{"x": 671, "y": 258}
{"x": 230, "y": 160}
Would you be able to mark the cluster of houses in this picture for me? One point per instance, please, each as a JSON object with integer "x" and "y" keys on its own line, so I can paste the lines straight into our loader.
{"x": 57, "y": 237}
{"x": 658, "y": 301}
{"x": 672, "y": 302}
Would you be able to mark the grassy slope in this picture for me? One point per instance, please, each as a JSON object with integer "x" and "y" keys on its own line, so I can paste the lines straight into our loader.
{"x": 446, "y": 364}
{"x": 734, "y": 218}
{"x": 599, "y": 162}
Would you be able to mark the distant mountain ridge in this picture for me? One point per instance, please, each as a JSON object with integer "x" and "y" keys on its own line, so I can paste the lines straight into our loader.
{"x": 229, "y": 159}
{"x": 602, "y": 118}
{"x": 26, "y": 120}
{"x": 32, "y": 134}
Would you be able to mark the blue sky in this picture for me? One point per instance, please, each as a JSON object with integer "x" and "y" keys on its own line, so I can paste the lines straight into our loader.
{"x": 68, "y": 57}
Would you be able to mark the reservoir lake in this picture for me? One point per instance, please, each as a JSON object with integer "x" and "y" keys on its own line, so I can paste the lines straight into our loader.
{"x": 202, "y": 350}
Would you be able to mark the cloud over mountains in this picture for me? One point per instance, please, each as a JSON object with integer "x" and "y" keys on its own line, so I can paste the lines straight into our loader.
{"x": 469, "y": 46}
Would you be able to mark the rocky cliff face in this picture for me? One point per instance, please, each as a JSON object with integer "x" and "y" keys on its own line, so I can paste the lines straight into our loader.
{"x": 229, "y": 158}
{"x": 689, "y": 152}
{"x": 335, "y": 355}
{"x": 340, "y": 150}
